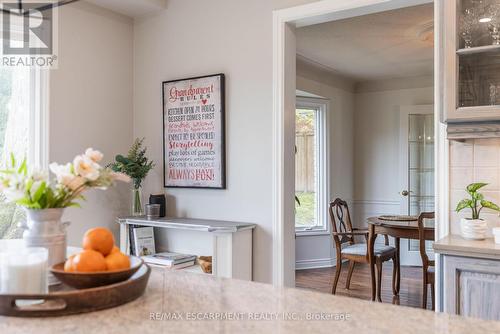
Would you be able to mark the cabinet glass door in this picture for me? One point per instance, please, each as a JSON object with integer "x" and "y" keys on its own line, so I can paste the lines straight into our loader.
{"x": 478, "y": 53}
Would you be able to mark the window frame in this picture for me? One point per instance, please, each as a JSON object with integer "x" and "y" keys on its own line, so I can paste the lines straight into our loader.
{"x": 322, "y": 183}
{"x": 38, "y": 127}
{"x": 38, "y": 137}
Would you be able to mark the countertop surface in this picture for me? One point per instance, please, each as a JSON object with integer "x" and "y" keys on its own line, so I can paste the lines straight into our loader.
{"x": 456, "y": 245}
{"x": 205, "y": 225}
{"x": 179, "y": 302}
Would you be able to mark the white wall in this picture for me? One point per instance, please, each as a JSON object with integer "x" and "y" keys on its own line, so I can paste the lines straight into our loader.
{"x": 376, "y": 142}
{"x": 193, "y": 38}
{"x": 317, "y": 250}
{"x": 91, "y": 103}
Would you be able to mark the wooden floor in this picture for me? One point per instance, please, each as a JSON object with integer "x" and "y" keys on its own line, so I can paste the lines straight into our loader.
{"x": 322, "y": 280}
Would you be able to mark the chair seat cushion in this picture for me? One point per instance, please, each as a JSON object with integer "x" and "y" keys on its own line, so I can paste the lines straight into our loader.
{"x": 361, "y": 249}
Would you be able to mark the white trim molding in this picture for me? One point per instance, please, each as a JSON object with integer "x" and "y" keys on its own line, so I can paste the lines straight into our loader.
{"x": 315, "y": 263}
{"x": 39, "y": 119}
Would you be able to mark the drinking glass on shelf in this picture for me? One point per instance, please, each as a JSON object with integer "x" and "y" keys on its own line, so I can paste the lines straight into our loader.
{"x": 493, "y": 94}
{"x": 491, "y": 16}
{"x": 468, "y": 24}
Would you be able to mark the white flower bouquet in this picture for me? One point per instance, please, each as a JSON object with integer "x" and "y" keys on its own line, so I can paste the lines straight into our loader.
{"x": 34, "y": 189}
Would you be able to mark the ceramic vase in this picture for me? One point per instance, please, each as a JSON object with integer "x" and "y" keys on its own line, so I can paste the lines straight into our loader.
{"x": 44, "y": 228}
{"x": 473, "y": 229}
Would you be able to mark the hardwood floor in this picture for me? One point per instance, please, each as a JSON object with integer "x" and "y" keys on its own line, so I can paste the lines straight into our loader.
{"x": 322, "y": 279}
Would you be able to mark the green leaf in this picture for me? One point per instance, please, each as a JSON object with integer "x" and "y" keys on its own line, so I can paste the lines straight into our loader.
{"x": 29, "y": 184}
{"x": 465, "y": 203}
{"x": 490, "y": 205}
{"x": 74, "y": 205}
{"x": 24, "y": 202}
{"x": 478, "y": 196}
{"x": 23, "y": 169}
{"x": 473, "y": 187}
{"x": 39, "y": 192}
{"x": 12, "y": 160}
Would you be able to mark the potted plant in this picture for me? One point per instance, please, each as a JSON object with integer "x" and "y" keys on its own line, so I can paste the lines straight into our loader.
{"x": 475, "y": 228}
{"x": 45, "y": 199}
{"x": 137, "y": 166}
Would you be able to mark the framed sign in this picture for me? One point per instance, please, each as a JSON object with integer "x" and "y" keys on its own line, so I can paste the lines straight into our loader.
{"x": 194, "y": 132}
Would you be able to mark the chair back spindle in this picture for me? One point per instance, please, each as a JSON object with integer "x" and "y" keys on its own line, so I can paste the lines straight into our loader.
{"x": 341, "y": 221}
{"x": 421, "y": 235}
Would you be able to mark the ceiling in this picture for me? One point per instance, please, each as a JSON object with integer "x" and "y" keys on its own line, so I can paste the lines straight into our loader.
{"x": 392, "y": 44}
{"x": 132, "y": 8}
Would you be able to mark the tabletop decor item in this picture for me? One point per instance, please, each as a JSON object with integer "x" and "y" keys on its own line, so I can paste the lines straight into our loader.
{"x": 153, "y": 211}
{"x": 86, "y": 280}
{"x": 475, "y": 228}
{"x": 496, "y": 234}
{"x": 137, "y": 166}
{"x": 161, "y": 200}
{"x": 401, "y": 218}
{"x": 45, "y": 199}
{"x": 65, "y": 300}
{"x": 23, "y": 270}
{"x": 194, "y": 132}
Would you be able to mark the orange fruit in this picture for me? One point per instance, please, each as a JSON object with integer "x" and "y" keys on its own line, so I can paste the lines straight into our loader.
{"x": 68, "y": 265}
{"x": 89, "y": 261}
{"x": 117, "y": 261}
{"x": 99, "y": 239}
{"x": 115, "y": 250}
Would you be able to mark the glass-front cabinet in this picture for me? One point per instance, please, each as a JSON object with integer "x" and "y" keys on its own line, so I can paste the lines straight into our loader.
{"x": 471, "y": 60}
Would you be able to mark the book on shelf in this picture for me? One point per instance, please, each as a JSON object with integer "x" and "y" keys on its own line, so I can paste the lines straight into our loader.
{"x": 169, "y": 259}
{"x": 177, "y": 266}
{"x": 142, "y": 240}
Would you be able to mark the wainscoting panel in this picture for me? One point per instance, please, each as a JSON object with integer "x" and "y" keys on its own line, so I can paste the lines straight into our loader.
{"x": 362, "y": 209}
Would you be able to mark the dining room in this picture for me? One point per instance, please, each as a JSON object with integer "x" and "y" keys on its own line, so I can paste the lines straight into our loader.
{"x": 365, "y": 157}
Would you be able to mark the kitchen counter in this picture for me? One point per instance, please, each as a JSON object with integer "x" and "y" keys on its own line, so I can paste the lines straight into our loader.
{"x": 456, "y": 245}
{"x": 180, "y": 302}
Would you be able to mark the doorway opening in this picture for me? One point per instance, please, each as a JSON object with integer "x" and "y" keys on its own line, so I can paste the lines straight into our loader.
{"x": 353, "y": 166}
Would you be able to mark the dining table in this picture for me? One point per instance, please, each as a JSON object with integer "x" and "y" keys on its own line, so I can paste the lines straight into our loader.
{"x": 406, "y": 228}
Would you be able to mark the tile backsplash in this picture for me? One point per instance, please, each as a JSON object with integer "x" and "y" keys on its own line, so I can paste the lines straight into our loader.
{"x": 475, "y": 160}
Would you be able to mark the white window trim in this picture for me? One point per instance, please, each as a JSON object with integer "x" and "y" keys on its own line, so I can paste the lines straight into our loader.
{"x": 323, "y": 156}
{"x": 38, "y": 150}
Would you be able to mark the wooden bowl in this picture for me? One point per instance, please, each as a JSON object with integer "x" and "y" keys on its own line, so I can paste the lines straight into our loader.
{"x": 94, "y": 279}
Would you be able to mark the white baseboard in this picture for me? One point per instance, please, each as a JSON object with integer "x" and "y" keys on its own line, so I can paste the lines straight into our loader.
{"x": 315, "y": 263}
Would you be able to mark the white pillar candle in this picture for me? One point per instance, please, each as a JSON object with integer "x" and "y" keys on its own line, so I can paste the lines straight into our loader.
{"x": 24, "y": 271}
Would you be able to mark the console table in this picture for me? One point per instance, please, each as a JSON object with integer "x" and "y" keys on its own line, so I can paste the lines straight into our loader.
{"x": 229, "y": 243}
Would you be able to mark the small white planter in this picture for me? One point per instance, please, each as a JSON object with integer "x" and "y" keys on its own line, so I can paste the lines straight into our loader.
{"x": 496, "y": 233}
{"x": 474, "y": 229}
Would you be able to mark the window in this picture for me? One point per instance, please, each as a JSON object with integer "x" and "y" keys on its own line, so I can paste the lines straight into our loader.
{"x": 311, "y": 182}
{"x": 23, "y": 124}
{"x": 23, "y": 130}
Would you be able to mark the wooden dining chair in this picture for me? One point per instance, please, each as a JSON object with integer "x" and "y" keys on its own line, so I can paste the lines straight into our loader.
{"x": 427, "y": 265}
{"x": 347, "y": 248}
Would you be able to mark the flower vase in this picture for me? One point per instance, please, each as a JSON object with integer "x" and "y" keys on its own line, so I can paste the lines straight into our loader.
{"x": 137, "y": 209}
{"x": 473, "y": 229}
{"x": 44, "y": 228}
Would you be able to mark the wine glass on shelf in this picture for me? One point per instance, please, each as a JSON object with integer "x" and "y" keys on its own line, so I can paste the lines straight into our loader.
{"x": 468, "y": 24}
{"x": 491, "y": 16}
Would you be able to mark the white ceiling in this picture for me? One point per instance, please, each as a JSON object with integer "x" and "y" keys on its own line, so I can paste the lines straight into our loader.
{"x": 132, "y": 8}
{"x": 377, "y": 46}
